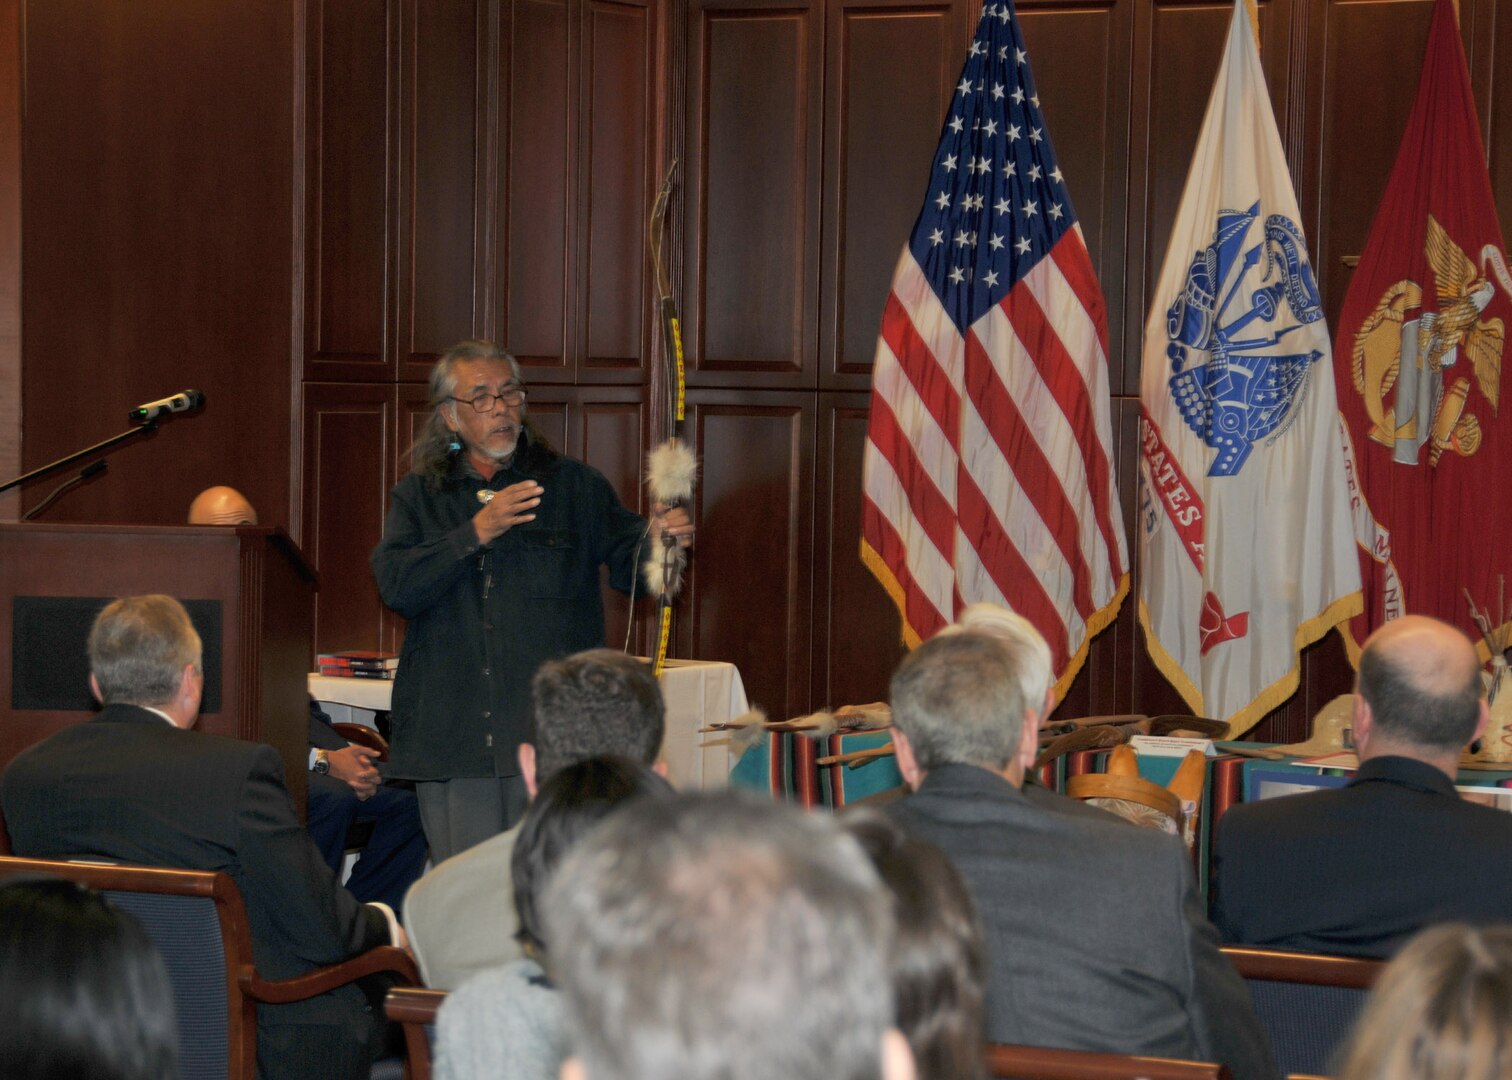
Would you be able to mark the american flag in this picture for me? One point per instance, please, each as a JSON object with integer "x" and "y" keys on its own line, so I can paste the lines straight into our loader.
{"x": 987, "y": 470}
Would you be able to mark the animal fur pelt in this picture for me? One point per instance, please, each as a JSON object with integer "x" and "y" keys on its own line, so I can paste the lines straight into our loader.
{"x": 671, "y": 469}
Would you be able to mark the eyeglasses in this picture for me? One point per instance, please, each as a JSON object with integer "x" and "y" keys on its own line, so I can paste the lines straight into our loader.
{"x": 510, "y": 395}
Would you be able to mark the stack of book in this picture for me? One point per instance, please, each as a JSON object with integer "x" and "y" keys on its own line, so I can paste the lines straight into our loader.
{"x": 359, "y": 664}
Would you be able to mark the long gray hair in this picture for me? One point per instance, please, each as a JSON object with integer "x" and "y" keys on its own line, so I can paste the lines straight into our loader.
{"x": 432, "y": 454}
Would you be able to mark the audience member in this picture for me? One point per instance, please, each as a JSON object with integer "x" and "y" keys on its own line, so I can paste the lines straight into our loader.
{"x": 507, "y": 1023}
{"x": 937, "y": 959}
{"x": 136, "y": 785}
{"x": 83, "y": 993}
{"x": 1036, "y": 684}
{"x": 1360, "y": 869}
{"x": 350, "y": 790}
{"x": 345, "y": 785}
{"x": 460, "y": 917}
{"x": 712, "y": 936}
{"x": 1095, "y": 934}
{"x": 1442, "y": 1010}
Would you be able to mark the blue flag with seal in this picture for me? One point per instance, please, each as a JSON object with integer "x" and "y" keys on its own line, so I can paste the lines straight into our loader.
{"x": 1244, "y": 521}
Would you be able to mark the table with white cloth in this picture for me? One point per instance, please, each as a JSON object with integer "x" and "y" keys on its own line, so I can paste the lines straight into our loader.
{"x": 698, "y": 693}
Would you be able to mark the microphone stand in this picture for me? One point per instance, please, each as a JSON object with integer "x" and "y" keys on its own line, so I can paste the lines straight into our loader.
{"x": 64, "y": 462}
{"x": 94, "y": 468}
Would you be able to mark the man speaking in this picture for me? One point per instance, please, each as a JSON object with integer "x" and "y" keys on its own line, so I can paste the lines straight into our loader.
{"x": 491, "y": 550}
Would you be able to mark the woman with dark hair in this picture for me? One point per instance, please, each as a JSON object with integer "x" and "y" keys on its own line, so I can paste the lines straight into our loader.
{"x": 937, "y": 961}
{"x": 83, "y": 992}
{"x": 508, "y": 1023}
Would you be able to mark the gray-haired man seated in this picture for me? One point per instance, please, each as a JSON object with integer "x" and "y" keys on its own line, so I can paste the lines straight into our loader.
{"x": 136, "y": 784}
{"x": 1096, "y": 938}
{"x": 713, "y": 936}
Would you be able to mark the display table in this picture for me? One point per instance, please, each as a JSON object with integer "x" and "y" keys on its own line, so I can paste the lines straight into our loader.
{"x": 697, "y": 692}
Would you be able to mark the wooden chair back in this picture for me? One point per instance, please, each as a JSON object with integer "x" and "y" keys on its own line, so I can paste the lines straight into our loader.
{"x": 196, "y": 920}
{"x": 415, "y": 1010}
{"x": 1005, "y": 1062}
{"x": 1306, "y": 1002}
{"x": 198, "y": 923}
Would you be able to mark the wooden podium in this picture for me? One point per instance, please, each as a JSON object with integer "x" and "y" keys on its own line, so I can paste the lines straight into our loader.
{"x": 248, "y": 590}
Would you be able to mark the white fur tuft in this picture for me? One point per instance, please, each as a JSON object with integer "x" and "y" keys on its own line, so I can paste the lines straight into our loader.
{"x": 662, "y": 579}
{"x": 671, "y": 469}
{"x": 747, "y": 729}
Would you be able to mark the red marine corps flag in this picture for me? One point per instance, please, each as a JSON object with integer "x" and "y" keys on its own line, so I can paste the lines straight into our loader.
{"x": 1418, "y": 359}
{"x": 987, "y": 472}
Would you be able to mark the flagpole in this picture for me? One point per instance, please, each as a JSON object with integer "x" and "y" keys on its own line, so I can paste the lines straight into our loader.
{"x": 1254, "y": 17}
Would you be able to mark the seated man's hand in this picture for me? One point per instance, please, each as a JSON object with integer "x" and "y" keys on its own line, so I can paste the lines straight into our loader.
{"x": 354, "y": 764}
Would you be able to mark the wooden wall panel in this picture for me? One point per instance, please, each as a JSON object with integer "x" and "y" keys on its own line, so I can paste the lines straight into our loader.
{"x": 156, "y": 202}
{"x": 857, "y": 638}
{"x": 1359, "y": 37}
{"x": 609, "y": 435}
{"x": 1496, "y": 119}
{"x": 10, "y": 253}
{"x": 440, "y": 232}
{"x": 352, "y": 64}
{"x": 747, "y": 599}
{"x": 882, "y": 122}
{"x": 753, "y": 204}
{"x": 548, "y": 413}
{"x": 349, "y": 431}
{"x": 485, "y": 166}
{"x": 608, "y": 432}
{"x": 538, "y": 75}
{"x": 617, "y": 188}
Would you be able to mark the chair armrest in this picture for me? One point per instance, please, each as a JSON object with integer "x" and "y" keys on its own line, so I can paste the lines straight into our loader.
{"x": 415, "y": 1011}
{"x": 362, "y": 735}
{"x": 1313, "y": 969}
{"x": 413, "y": 1005}
{"x": 322, "y": 980}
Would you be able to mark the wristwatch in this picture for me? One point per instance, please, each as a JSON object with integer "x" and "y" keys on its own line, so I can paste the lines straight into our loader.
{"x": 322, "y": 762}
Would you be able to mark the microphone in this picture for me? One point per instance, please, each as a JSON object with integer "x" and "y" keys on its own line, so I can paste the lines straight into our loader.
{"x": 153, "y": 410}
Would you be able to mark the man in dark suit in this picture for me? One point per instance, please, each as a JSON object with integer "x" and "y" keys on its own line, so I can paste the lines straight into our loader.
{"x": 1359, "y": 869}
{"x": 347, "y": 788}
{"x": 344, "y": 785}
{"x": 1096, "y": 938}
{"x": 134, "y": 784}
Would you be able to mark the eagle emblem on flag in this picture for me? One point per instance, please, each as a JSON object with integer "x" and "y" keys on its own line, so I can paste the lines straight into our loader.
{"x": 1245, "y": 390}
{"x": 1429, "y": 404}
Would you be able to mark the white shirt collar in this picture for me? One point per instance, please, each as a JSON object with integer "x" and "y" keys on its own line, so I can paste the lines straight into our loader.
{"x": 160, "y": 712}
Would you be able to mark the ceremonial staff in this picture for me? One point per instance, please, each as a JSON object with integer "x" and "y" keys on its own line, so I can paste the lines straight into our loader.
{"x": 671, "y": 466}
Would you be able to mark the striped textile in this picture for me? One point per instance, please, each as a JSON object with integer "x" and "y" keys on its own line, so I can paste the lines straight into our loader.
{"x": 987, "y": 472}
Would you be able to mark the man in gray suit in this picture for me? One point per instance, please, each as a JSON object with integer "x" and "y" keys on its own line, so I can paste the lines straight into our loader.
{"x": 460, "y": 917}
{"x": 1096, "y": 937}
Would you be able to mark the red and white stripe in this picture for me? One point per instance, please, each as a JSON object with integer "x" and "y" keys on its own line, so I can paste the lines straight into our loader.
{"x": 987, "y": 470}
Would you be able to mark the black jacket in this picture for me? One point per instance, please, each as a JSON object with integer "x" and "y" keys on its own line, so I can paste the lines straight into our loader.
{"x": 483, "y": 619}
{"x": 129, "y": 786}
{"x": 1358, "y": 870}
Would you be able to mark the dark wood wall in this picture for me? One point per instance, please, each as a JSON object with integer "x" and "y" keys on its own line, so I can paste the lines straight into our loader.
{"x": 296, "y": 206}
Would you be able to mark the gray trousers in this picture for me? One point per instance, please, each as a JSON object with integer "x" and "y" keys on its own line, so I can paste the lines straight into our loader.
{"x": 456, "y": 814}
